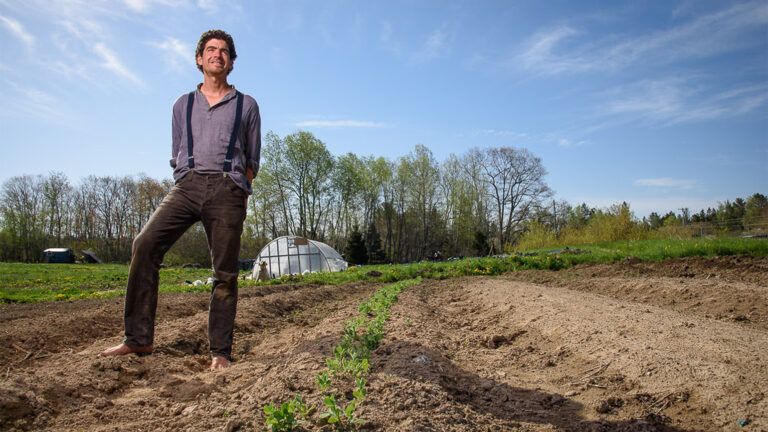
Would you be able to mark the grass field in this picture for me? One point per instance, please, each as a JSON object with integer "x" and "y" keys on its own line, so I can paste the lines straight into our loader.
{"x": 25, "y": 283}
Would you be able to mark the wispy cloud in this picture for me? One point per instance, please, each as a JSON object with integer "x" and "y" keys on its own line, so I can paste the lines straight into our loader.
{"x": 84, "y": 29}
{"x": 175, "y": 51}
{"x": 437, "y": 44}
{"x": 28, "y": 101}
{"x": 672, "y": 101}
{"x": 17, "y": 30}
{"x": 143, "y": 6}
{"x": 570, "y": 143}
{"x": 560, "y": 50}
{"x": 339, "y": 124}
{"x": 501, "y": 133}
{"x": 538, "y": 55}
{"x": 210, "y": 6}
{"x": 666, "y": 182}
{"x": 112, "y": 63}
{"x": 136, "y": 5}
{"x": 387, "y": 38}
{"x": 526, "y": 138}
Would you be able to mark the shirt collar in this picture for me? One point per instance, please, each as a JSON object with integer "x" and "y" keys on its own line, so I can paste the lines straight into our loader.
{"x": 231, "y": 94}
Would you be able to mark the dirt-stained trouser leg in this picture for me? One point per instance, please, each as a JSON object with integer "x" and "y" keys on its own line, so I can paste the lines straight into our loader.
{"x": 173, "y": 217}
{"x": 223, "y": 215}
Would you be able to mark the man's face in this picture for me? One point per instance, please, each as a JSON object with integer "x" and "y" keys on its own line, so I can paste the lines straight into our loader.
{"x": 215, "y": 58}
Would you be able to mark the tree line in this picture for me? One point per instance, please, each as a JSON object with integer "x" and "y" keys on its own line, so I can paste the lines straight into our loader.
{"x": 563, "y": 224}
{"x": 100, "y": 213}
{"x": 482, "y": 202}
{"x": 409, "y": 208}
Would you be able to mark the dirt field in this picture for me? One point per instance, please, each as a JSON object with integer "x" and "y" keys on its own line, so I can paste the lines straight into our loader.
{"x": 675, "y": 346}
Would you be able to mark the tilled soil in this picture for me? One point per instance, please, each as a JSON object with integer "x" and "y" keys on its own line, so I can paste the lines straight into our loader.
{"x": 674, "y": 346}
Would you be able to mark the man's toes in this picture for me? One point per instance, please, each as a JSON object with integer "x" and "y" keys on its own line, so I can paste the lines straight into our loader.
{"x": 124, "y": 349}
{"x": 114, "y": 351}
{"x": 218, "y": 362}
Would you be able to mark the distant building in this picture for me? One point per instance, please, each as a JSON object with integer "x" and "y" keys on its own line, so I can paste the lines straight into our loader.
{"x": 58, "y": 255}
{"x": 90, "y": 257}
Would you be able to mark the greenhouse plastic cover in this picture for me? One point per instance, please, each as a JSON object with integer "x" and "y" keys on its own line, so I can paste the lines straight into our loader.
{"x": 296, "y": 255}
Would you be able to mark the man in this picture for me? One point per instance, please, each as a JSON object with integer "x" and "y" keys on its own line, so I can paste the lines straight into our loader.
{"x": 216, "y": 147}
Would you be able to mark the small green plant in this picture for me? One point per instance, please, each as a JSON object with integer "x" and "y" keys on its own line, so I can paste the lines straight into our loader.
{"x": 350, "y": 361}
{"x": 343, "y": 417}
{"x": 287, "y": 416}
{"x": 323, "y": 381}
{"x": 359, "y": 392}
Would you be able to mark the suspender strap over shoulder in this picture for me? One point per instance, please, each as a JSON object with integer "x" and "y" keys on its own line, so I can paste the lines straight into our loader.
{"x": 233, "y": 137}
{"x": 190, "y": 155}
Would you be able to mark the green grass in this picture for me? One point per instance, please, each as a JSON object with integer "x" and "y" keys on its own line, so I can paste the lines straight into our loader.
{"x": 24, "y": 283}
{"x": 661, "y": 249}
{"x": 27, "y": 283}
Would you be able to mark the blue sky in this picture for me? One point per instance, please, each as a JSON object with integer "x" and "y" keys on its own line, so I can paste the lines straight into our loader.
{"x": 662, "y": 104}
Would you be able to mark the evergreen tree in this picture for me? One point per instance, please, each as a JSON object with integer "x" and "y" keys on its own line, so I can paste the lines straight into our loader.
{"x": 355, "y": 251}
{"x": 373, "y": 244}
{"x": 481, "y": 243}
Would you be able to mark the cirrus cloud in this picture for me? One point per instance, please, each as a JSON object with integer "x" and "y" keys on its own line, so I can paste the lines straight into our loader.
{"x": 339, "y": 124}
{"x": 666, "y": 182}
{"x": 17, "y": 30}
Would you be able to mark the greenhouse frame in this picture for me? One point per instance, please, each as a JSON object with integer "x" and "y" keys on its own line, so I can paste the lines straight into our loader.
{"x": 289, "y": 255}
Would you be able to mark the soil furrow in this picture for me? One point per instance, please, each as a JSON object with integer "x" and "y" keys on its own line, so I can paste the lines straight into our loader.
{"x": 498, "y": 354}
{"x": 676, "y": 346}
{"x": 81, "y": 391}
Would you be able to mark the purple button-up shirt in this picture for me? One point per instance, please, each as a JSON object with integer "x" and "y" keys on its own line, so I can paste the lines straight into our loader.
{"x": 211, "y": 130}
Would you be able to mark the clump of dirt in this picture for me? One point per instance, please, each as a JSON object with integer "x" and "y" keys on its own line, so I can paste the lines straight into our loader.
{"x": 621, "y": 347}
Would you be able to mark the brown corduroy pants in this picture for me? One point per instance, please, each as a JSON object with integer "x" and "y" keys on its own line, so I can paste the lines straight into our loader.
{"x": 219, "y": 204}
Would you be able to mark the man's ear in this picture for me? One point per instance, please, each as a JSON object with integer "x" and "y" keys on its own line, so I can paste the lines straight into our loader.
{"x": 199, "y": 60}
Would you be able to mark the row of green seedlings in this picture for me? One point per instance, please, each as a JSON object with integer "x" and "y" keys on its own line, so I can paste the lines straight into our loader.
{"x": 343, "y": 382}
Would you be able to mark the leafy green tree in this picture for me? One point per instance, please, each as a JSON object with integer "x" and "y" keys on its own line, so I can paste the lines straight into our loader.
{"x": 298, "y": 170}
{"x": 670, "y": 219}
{"x": 311, "y": 167}
{"x": 348, "y": 181}
{"x": 730, "y": 215}
{"x": 654, "y": 221}
{"x": 21, "y": 212}
{"x": 756, "y": 212}
{"x": 422, "y": 197}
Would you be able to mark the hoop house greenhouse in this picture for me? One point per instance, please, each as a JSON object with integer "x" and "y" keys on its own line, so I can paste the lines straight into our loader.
{"x": 289, "y": 255}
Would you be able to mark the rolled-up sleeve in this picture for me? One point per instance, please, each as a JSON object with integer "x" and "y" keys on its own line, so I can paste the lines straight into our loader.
{"x": 253, "y": 138}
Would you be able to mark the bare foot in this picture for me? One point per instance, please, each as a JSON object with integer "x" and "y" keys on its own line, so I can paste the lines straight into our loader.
{"x": 124, "y": 349}
{"x": 219, "y": 362}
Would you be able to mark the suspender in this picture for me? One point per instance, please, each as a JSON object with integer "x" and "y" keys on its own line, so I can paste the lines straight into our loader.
{"x": 232, "y": 138}
{"x": 190, "y": 155}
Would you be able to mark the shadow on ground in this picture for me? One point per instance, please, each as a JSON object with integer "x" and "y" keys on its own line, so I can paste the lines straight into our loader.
{"x": 418, "y": 363}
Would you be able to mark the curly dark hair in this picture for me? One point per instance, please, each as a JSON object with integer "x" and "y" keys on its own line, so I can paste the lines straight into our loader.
{"x": 215, "y": 34}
